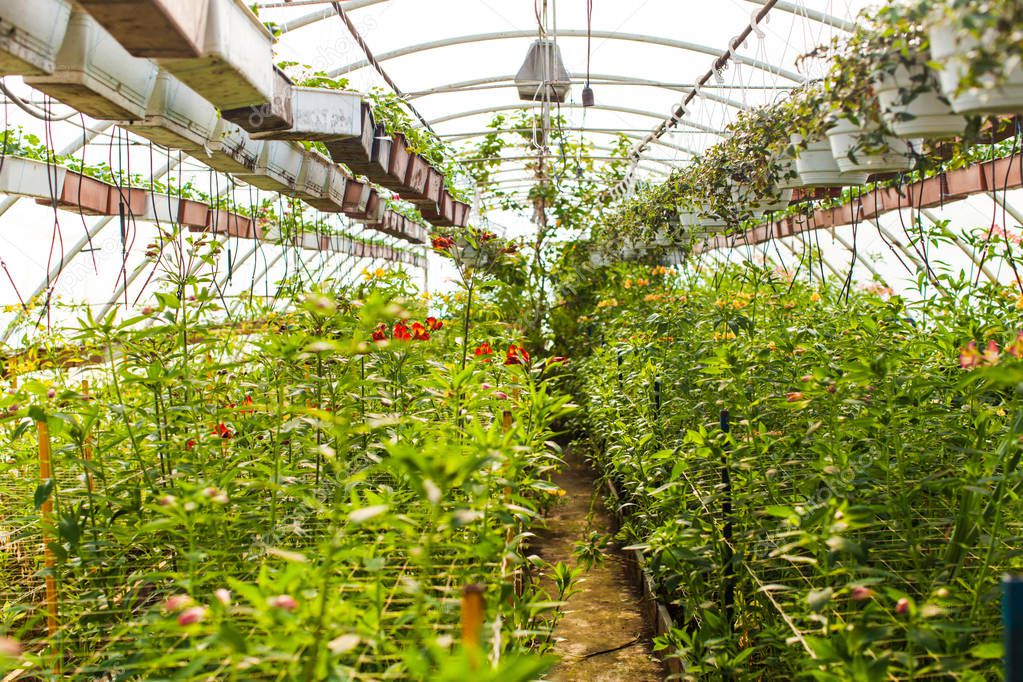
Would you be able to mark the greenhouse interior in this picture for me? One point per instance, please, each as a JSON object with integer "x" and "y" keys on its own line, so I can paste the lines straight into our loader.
{"x": 467, "y": 341}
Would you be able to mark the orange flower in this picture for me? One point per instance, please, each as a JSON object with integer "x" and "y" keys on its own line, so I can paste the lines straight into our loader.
{"x": 483, "y": 351}
{"x": 222, "y": 430}
{"x": 401, "y": 332}
{"x": 433, "y": 323}
{"x": 419, "y": 332}
{"x": 516, "y": 355}
{"x": 380, "y": 333}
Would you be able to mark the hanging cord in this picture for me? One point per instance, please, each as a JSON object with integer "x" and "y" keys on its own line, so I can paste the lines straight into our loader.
{"x": 31, "y": 110}
{"x": 589, "y": 29}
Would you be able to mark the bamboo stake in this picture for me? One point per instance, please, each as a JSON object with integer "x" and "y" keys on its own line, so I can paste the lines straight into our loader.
{"x": 473, "y": 609}
{"x": 87, "y": 444}
{"x": 46, "y": 473}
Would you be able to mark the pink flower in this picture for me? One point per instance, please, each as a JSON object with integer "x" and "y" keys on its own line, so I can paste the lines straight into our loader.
{"x": 1015, "y": 349}
{"x": 969, "y": 356}
{"x": 793, "y": 396}
{"x": 283, "y": 601}
{"x": 991, "y": 353}
{"x": 177, "y": 602}
{"x": 192, "y": 615}
{"x": 223, "y": 596}
{"x": 861, "y": 593}
{"x": 167, "y": 501}
{"x": 9, "y": 647}
{"x": 500, "y": 395}
{"x": 902, "y": 606}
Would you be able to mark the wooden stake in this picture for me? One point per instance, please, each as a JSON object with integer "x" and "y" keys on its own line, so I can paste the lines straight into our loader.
{"x": 46, "y": 473}
{"x": 506, "y": 421}
{"x": 473, "y": 610}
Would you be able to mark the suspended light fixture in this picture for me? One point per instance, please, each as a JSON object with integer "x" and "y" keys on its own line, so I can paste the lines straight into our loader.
{"x": 543, "y": 75}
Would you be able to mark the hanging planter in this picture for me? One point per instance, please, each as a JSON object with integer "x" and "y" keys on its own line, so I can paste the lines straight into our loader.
{"x": 860, "y": 148}
{"x": 193, "y": 214}
{"x": 461, "y": 214}
{"x": 312, "y": 178}
{"x": 380, "y": 161}
{"x": 235, "y": 64}
{"x": 80, "y": 193}
{"x": 416, "y": 178}
{"x": 356, "y": 198}
{"x": 233, "y": 149}
{"x": 355, "y": 152}
{"x": 699, "y": 219}
{"x": 997, "y": 91}
{"x": 333, "y": 197}
{"x": 30, "y": 178}
{"x": 817, "y": 167}
{"x": 153, "y": 28}
{"x": 397, "y": 169}
{"x": 132, "y": 200}
{"x": 277, "y": 168}
{"x": 162, "y": 209}
{"x": 96, "y": 76}
{"x": 301, "y": 113}
{"x": 31, "y": 33}
{"x": 375, "y": 209}
{"x": 178, "y": 117}
{"x": 912, "y": 105}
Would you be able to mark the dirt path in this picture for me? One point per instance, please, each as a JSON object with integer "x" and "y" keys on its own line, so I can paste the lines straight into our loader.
{"x": 604, "y": 613}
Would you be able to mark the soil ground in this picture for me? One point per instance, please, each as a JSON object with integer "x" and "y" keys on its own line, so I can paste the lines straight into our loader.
{"x": 605, "y": 613}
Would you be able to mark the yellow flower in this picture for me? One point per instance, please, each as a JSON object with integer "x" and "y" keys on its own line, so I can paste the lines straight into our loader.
{"x": 380, "y": 272}
{"x": 627, "y": 284}
{"x": 815, "y": 297}
{"x": 1019, "y": 302}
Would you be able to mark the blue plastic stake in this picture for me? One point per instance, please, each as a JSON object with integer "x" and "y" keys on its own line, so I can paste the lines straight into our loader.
{"x": 1012, "y": 619}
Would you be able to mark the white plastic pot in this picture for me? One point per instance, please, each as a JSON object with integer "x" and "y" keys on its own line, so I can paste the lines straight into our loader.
{"x": 950, "y": 47}
{"x": 233, "y": 150}
{"x": 777, "y": 200}
{"x": 311, "y": 241}
{"x": 153, "y": 28}
{"x": 788, "y": 176}
{"x": 320, "y": 114}
{"x": 847, "y": 139}
{"x": 312, "y": 179}
{"x": 817, "y": 167}
{"x": 236, "y": 66}
{"x": 31, "y": 33}
{"x": 30, "y": 178}
{"x": 178, "y": 117}
{"x": 95, "y": 75}
{"x": 927, "y": 114}
{"x": 277, "y": 167}
{"x": 694, "y": 220}
{"x": 161, "y": 208}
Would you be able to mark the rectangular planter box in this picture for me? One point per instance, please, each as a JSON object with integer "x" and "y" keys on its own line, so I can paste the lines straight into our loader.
{"x": 162, "y": 208}
{"x": 380, "y": 159}
{"x": 375, "y": 209}
{"x": 133, "y": 199}
{"x": 31, "y": 33}
{"x": 272, "y": 116}
{"x": 194, "y": 214}
{"x": 95, "y": 75}
{"x": 234, "y": 68}
{"x": 356, "y": 198}
{"x": 461, "y": 214}
{"x": 80, "y": 193}
{"x": 963, "y": 182}
{"x": 241, "y": 226}
{"x": 312, "y": 179}
{"x": 153, "y": 28}
{"x": 178, "y": 117}
{"x": 277, "y": 168}
{"x": 1002, "y": 174}
{"x": 397, "y": 169}
{"x": 317, "y": 114}
{"x": 30, "y": 178}
{"x": 355, "y": 151}
{"x": 334, "y": 192}
{"x": 217, "y": 221}
{"x": 233, "y": 150}
{"x": 309, "y": 241}
{"x": 416, "y": 178}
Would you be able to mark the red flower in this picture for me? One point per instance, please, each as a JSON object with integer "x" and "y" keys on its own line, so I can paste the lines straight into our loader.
{"x": 557, "y": 360}
{"x": 511, "y": 247}
{"x": 380, "y": 333}
{"x": 401, "y": 332}
{"x": 222, "y": 430}
{"x": 969, "y": 357}
{"x": 483, "y": 350}
{"x": 487, "y": 235}
{"x": 516, "y": 355}
{"x": 190, "y": 444}
{"x": 442, "y": 243}
{"x": 247, "y": 401}
{"x": 433, "y": 323}
{"x": 419, "y": 332}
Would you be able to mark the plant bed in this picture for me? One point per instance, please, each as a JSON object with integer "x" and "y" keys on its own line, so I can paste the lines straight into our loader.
{"x": 233, "y": 150}
{"x": 96, "y": 76}
{"x": 1002, "y": 174}
{"x": 355, "y": 152}
{"x": 318, "y": 114}
{"x": 80, "y": 193}
{"x": 963, "y": 182}
{"x": 153, "y": 28}
{"x": 234, "y": 68}
{"x": 30, "y": 178}
{"x": 277, "y": 168}
{"x": 31, "y": 33}
{"x": 273, "y": 116}
{"x": 193, "y": 213}
{"x": 178, "y": 117}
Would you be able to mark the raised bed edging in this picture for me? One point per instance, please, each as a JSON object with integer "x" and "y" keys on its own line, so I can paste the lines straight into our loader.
{"x": 653, "y": 609}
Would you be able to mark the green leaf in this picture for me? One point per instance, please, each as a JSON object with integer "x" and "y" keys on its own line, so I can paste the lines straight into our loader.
{"x": 988, "y": 650}
{"x": 43, "y": 492}
{"x": 817, "y": 599}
